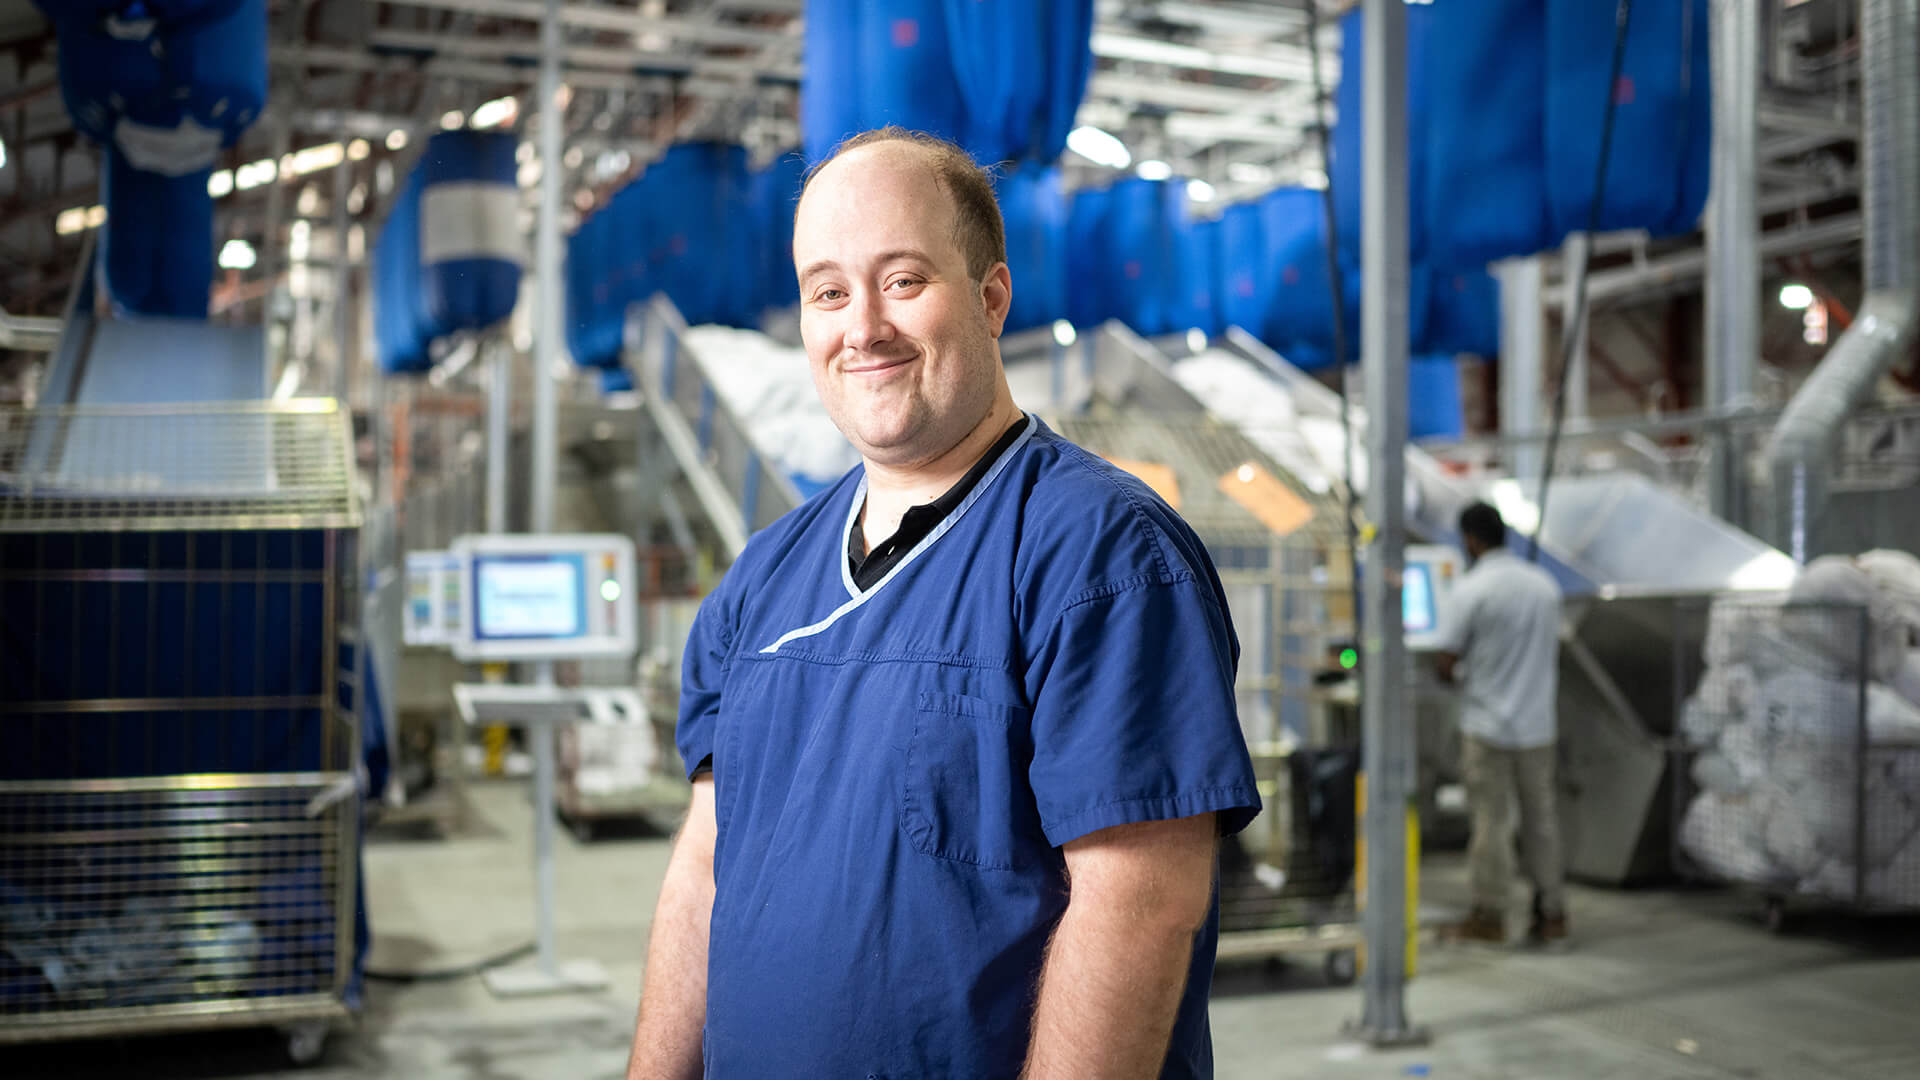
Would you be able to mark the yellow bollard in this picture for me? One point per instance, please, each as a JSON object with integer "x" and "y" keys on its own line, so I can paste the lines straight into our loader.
{"x": 1413, "y": 874}
{"x": 493, "y": 737}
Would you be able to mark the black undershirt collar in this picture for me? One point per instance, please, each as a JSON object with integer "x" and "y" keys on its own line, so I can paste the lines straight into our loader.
{"x": 919, "y": 521}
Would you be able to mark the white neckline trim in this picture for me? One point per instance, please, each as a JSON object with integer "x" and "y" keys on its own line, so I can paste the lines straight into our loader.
{"x": 856, "y": 597}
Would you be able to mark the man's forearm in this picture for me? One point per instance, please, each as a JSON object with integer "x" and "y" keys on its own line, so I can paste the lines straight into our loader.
{"x": 673, "y": 995}
{"x": 1109, "y": 994}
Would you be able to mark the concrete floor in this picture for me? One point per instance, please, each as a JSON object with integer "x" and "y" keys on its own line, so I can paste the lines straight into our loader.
{"x": 1660, "y": 984}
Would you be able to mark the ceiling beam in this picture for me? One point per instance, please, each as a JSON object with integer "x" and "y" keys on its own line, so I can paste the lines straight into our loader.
{"x": 326, "y": 56}
{"x": 623, "y": 20}
{"x": 1272, "y": 62}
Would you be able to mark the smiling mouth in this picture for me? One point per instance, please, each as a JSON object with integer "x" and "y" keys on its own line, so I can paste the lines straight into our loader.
{"x": 882, "y": 367}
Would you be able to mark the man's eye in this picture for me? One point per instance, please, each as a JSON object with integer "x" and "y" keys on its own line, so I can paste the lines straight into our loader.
{"x": 901, "y": 283}
{"x": 829, "y": 295}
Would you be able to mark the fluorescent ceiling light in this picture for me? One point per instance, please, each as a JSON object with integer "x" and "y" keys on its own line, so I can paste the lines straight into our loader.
{"x": 452, "y": 119}
{"x": 1200, "y": 191}
{"x": 1154, "y": 169}
{"x": 236, "y": 254}
{"x": 1099, "y": 147}
{"x": 220, "y": 183}
{"x": 1796, "y": 297}
{"x": 1063, "y": 334}
{"x": 3, "y": 153}
{"x": 396, "y": 139}
{"x": 496, "y": 112}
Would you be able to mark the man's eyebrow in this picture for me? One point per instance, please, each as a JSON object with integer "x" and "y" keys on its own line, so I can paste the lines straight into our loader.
{"x": 818, "y": 267}
{"x": 896, "y": 255}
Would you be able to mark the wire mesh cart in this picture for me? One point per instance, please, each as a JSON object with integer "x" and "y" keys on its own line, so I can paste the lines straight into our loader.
{"x": 1797, "y": 771}
{"x": 1287, "y": 881}
{"x": 179, "y": 805}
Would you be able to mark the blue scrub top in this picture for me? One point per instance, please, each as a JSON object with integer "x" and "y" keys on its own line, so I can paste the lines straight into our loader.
{"x": 896, "y": 771}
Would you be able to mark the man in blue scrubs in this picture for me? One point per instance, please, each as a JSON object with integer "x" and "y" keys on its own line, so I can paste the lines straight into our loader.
{"x": 962, "y": 727}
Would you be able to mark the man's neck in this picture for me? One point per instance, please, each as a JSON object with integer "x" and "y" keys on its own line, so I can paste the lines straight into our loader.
{"x": 892, "y": 490}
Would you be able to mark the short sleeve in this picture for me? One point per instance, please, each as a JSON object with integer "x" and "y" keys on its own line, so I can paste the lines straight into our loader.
{"x": 703, "y": 670}
{"x": 1133, "y": 713}
{"x": 1456, "y": 619}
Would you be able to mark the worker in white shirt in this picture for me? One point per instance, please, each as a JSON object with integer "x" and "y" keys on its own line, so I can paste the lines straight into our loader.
{"x": 1500, "y": 640}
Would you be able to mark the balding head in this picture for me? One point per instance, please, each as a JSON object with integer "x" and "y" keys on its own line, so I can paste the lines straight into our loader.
{"x": 978, "y": 230}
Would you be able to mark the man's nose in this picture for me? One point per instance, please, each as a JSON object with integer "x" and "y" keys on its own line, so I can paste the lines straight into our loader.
{"x": 869, "y": 326}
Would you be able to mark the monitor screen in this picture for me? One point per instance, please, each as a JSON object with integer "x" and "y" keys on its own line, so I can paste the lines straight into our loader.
{"x": 529, "y": 596}
{"x": 1419, "y": 613}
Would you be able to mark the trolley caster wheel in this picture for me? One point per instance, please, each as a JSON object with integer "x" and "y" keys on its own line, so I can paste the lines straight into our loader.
{"x": 1776, "y": 915}
{"x": 1342, "y": 967}
{"x": 305, "y": 1042}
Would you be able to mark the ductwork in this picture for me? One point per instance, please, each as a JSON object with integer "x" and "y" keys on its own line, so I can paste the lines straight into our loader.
{"x": 1800, "y": 452}
{"x": 28, "y": 333}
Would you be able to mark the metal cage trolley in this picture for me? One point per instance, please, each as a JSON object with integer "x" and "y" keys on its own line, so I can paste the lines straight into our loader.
{"x": 179, "y": 808}
{"x": 1797, "y": 768}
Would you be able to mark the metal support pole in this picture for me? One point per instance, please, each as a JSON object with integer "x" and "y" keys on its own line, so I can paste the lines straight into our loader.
{"x": 547, "y": 275}
{"x": 1573, "y": 261}
{"x": 343, "y": 339}
{"x": 545, "y": 460}
{"x": 499, "y": 430}
{"x": 1522, "y": 361}
{"x": 1387, "y": 722}
{"x": 1733, "y": 231}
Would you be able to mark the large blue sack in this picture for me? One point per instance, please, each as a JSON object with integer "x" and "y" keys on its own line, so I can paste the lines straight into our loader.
{"x": 470, "y": 245}
{"x": 185, "y": 77}
{"x": 1145, "y": 219}
{"x": 1089, "y": 294}
{"x": 1463, "y": 312}
{"x": 1035, "y": 212}
{"x": 1199, "y": 283}
{"x": 869, "y": 64}
{"x": 1300, "y": 303}
{"x": 1021, "y": 70}
{"x": 774, "y": 192}
{"x": 1343, "y": 172}
{"x": 1485, "y": 131}
{"x": 1241, "y": 273}
{"x": 695, "y": 218}
{"x": 1433, "y": 398}
{"x": 1657, "y": 171}
{"x": 402, "y": 328}
{"x": 593, "y": 329}
{"x": 158, "y": 244}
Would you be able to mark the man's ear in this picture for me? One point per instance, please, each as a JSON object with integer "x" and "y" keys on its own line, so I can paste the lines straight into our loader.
{"x": 996, "y": 295}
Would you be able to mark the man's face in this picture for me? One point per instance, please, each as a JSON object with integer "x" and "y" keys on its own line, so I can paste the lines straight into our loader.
{"x": 900, "y": 338}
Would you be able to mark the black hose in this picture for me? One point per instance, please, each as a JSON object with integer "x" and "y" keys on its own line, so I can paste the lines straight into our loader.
{"x": 1622, "y": 15}
{"x": 1339, "y": 309}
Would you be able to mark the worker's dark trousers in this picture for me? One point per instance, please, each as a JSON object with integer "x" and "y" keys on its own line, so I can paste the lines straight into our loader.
{"x": 1497, "y": 779}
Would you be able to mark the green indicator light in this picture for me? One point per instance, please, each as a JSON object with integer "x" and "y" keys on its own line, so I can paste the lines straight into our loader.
{"x": 1349, "y": 658}
{"x": 609, "y": 590}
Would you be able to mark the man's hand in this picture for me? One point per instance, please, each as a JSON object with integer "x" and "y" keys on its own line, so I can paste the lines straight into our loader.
{"x": 673, "y": 995}
{"x": 1117, "y": 965}
{"x": 1446, "y": 664}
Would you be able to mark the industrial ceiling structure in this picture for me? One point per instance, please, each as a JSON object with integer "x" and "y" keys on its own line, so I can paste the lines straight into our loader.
{"x": 1219, "y": 91}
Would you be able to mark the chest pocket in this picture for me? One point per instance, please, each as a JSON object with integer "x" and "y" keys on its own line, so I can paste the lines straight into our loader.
{"x": 964, "y": 796}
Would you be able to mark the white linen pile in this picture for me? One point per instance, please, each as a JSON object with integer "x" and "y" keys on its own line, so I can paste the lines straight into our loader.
{"x": 1785, "y": 727}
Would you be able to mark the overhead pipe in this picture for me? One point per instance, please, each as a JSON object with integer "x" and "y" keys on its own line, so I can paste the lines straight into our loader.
{"x": 1733, "y": 233}
{"x": 1800, "y": 451}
